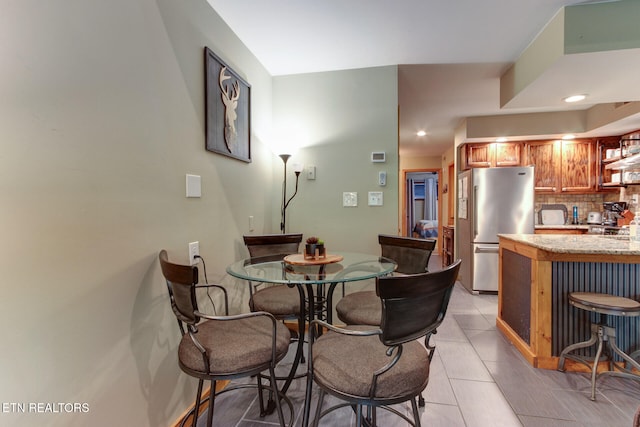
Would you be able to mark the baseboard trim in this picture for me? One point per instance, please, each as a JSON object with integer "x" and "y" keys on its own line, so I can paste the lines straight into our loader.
{"x": 204, "y": 404}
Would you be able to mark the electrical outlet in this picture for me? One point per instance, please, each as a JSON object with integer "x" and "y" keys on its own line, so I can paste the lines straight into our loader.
{"x": 194, "y": 250}
{"x": 311, "y": 172}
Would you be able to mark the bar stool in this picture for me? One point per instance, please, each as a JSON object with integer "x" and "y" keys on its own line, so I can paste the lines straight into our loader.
{"x": 603, "y": 334}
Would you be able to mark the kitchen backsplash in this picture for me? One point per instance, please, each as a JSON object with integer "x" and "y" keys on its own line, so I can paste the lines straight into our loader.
{"x": 587, "y": 202}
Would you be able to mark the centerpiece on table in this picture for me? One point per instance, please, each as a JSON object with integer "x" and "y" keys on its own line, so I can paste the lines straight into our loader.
{"x": 314, "y": 248}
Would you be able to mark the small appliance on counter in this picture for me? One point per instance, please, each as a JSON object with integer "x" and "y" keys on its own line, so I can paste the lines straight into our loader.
{"x": 594, "y": 218}
{"x": 554, "y": 214}
{"x": 612, "y": 212}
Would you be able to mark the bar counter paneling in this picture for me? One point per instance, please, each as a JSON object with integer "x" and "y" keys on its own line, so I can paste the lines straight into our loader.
{"x": 537, "y": 272}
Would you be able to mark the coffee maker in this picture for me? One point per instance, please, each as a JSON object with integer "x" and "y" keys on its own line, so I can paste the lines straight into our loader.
{"x": 612, "y": 211}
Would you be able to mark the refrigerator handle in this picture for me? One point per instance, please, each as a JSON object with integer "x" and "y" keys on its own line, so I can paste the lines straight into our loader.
{"x": 487, "y": 249}
{"x": 474, "y": 220}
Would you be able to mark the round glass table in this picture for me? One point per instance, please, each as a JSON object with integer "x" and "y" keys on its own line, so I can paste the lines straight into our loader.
{"x": 293, "y": 270}
{"x": 311, "y": 277}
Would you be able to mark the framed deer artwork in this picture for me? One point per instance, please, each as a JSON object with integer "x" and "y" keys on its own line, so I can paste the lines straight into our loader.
{"x": 227, "y": 110}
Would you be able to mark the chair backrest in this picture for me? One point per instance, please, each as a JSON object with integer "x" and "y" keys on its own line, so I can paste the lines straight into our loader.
{"x": 272, "y": 244}
{"x": 412, "y": 255}
{"x": 414, "y": 305}
{"x": 181, "y": 281}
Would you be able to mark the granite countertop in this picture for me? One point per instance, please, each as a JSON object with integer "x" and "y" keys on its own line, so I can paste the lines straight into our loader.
{"x": 562, "y": 227}
{"x": 578, "y": 243}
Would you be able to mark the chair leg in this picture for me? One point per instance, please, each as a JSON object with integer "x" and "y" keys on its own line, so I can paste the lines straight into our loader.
{"x": 565, "y": 353}
{"x": 196, "y": 408}
{"x": 627, "y": 358}
{"x": 212, "y": 399}
{"x": 260, "y": 395}
{"x": 602, "y": 337}
{"x": 416, "y": 414}
{"x": 307, "y": 396}
{"x": 316, "y": 418}
{"x": 301, "y": 326}
{"x": 274, "y": 390}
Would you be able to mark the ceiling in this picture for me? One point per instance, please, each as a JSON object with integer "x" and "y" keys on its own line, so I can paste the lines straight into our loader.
{"x": 451, "y": 57}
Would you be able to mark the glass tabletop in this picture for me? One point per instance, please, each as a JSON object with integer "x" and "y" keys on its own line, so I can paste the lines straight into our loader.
{"x": 274, "y": 269}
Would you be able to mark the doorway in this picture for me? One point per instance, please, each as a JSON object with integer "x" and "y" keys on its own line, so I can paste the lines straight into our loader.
{"x": 422, "y": 203}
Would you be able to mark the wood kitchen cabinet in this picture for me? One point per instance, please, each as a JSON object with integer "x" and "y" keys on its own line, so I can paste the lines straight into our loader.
{"x": 578, "y": 166}
{"x": 545, "y": 156}
{"x": 561, "y": 230}
{"x": 447, "y": 245}
{"x": 563, "y": 166}
{"x": 488, "y": 155}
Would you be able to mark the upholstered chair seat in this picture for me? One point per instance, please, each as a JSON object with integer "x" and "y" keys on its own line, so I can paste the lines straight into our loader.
{"x": 360, "y": 308}
{"x": 412, "y": 256}
{"x": 353, "y": 374}
{"x": 241, "y": 346}
{"x": 279, "y": 300}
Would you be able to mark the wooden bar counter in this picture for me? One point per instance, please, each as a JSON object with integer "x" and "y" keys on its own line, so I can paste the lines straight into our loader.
{"x": 536, "y": 274}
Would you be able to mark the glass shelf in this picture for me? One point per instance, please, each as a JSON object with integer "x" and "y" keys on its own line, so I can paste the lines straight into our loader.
{"x": 630, "y": 162}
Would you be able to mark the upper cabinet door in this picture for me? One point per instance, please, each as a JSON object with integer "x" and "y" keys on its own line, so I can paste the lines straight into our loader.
{"x": 507, "y": 154}
{"x": 578, "y": 166}
{"x": 545, "y": 156}
{"x": 479, "y": 156}
{"x": 489, "y": 155}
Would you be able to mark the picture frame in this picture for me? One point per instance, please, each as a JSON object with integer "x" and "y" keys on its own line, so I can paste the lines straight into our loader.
{"x": 227, "y": 110}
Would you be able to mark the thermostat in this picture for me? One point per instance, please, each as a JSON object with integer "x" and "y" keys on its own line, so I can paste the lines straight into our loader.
{"x": 378, "y": 157}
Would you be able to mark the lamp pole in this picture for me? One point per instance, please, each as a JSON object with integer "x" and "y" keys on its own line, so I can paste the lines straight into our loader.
{"x": 285, "y": 202}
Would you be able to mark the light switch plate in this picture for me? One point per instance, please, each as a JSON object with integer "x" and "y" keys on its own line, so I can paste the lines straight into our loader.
{"x": 375, "y": 198}
{"x": 349, "y": 199}
{"x": 194, "y": 186}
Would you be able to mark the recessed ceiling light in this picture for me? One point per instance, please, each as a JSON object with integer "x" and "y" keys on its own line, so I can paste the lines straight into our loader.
{"x": 575, "y": 98}
{"x": 569, "y": 136}
{"x": 501, "y": 139}
{"x": 421, "y": 133}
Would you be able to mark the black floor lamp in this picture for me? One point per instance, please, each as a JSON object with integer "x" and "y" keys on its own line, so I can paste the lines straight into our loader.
{"x": 297, "y": 168}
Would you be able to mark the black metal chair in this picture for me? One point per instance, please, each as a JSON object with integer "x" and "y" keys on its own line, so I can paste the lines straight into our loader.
{"x": 222, "y": 347}
{"x": 280, "y": 300}
{"x": 284, "y": 302}
{"x": 378, "y": 367}
{"x": 412, "y": 256}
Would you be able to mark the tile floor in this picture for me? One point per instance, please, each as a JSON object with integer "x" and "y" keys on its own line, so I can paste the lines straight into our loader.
{"x": 478, "y": 379}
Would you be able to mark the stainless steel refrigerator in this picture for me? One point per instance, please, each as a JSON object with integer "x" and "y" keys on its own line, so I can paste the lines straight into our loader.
{"x": 491, "y": 201}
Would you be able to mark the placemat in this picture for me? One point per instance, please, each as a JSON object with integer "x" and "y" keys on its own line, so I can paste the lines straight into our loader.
{"x": 298, "y": 259}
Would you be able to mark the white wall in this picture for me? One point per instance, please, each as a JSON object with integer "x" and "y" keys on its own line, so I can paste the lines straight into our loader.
{"x": 101, "y": 117}
{"x": 345, "y": 115}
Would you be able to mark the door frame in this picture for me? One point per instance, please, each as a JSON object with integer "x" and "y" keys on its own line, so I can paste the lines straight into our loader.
{"x": 403, "y": 191}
